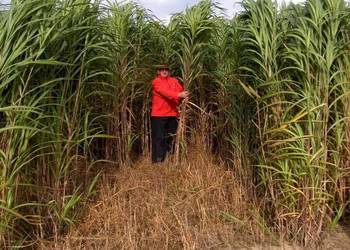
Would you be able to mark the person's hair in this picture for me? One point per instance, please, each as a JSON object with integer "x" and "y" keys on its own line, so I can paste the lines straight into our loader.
{"x": 158, "y": 71}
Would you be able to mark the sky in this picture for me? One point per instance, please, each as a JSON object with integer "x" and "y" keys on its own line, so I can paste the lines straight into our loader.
{"x": 164, "y": 8}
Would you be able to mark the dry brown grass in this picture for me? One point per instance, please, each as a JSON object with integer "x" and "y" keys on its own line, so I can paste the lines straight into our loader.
{"x": 166, "y": 207}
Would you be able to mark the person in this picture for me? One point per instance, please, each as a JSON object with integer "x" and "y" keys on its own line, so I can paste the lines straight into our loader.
{"x": 167, "y": 94}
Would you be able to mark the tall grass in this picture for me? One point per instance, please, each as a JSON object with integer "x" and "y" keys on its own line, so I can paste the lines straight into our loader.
{"x": 269, "y": 97}
{"x": 193, "y": 49}
{"x": 296, "y": 59}
{"x": 49, "y": 52}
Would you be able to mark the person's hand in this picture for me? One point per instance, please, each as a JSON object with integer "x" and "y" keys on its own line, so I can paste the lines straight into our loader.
{"x": 183, "y": 94}
{"x": 186, "y": 99}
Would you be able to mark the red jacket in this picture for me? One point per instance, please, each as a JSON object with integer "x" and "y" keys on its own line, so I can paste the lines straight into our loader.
{"x": 165, "y": 96}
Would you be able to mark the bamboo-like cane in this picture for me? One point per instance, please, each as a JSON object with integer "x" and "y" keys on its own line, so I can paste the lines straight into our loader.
{"x": 180, "y": 135}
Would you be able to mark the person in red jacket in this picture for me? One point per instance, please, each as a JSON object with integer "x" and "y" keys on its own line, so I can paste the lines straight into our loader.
{"x": 167, "y": 95}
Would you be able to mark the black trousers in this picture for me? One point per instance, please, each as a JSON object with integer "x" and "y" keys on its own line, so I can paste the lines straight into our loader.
{"x": 163, "y": 134}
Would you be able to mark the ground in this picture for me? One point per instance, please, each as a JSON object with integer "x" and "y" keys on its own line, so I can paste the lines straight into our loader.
{"x": 197, "y": 205}
{"x": 338, "y": 239}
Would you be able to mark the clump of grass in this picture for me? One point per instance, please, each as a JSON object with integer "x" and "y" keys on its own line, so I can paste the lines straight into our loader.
{"x": 48, "y": 53}
{"x": 295, "y": 60}
{"x": 195, "y": 205}
{"x": 269, "y": 96}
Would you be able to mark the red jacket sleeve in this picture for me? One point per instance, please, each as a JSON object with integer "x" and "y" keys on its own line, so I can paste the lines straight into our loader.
{"x": 164, "y": 91}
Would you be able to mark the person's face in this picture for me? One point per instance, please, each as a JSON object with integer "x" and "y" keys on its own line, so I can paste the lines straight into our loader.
{"x": 164, "y": 72}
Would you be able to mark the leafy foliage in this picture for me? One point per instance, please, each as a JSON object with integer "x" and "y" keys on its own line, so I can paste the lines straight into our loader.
{"x": 269, "y": 96}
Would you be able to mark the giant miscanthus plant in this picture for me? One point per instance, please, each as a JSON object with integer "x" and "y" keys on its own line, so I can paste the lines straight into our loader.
{"x": 47, "y": 61}
{"x": 128, "y": 30}
{"x": 297, "y": 58}
{"x": 228, "y": 101}
{"x": 264, "y": 63}
{"x": 194, "y": 29}
{"x": 64, "y": 61}
{"x": 317, "y": 125}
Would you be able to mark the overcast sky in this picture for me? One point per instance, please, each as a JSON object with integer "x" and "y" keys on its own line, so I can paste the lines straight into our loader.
{"x": 164, "y": 8}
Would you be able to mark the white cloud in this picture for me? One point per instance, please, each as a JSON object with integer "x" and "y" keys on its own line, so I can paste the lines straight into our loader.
{"x": 164, "y": 8}
{"x": 288, "y": 1}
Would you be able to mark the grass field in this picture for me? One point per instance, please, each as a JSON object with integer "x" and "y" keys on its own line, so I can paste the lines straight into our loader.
{"x": 269, "y": 107}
